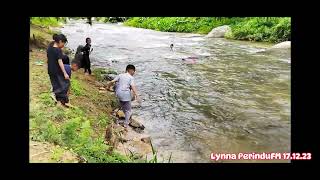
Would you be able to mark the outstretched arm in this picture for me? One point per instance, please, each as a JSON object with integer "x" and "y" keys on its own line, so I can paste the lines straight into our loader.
{"x": 135, "y": 93}
{"x": 112, "y": 82}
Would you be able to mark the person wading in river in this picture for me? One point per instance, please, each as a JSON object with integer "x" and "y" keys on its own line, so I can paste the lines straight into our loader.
{"x": 86, "y": 60}
{"x": 125, "y": 83}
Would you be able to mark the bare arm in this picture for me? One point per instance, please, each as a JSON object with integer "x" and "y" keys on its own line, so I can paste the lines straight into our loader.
{"x": 66, "y": 76}
{"x": 135, "y": 92}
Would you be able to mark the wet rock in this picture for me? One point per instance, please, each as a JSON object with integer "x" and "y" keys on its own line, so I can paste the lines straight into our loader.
{"x": 111, "y": 139}
{"x": 282, "y": 45}
{"x": 219, "y": 32}
{"x": 136, "y": 124}
{"x": 120, "y": 114}
{"x": 282, "y": 50}
{"x": 135, "y": 104}
{"x": 146, "y": 140}
{"x": 109, "y": 77}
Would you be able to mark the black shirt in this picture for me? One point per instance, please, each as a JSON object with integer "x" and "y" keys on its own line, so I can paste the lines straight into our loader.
{"x": 86, "y": 49}
{"x": 65, "y": 59}
{"x": 53, "y": 55}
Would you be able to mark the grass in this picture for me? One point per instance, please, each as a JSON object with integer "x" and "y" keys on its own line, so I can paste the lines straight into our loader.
{"x": 76, "y": 87}
{"x": 57, "y": 154}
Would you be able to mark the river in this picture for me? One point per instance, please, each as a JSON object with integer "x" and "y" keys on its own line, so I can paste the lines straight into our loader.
{"x": 233, "y": 99}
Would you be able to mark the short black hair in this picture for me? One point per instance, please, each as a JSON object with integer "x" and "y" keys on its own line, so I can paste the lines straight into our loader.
{"x": 76, "y": 63}
{"x": 55, "y": 36}
{"x": 130, "y": 66}
{"x": 60, "y": 37}
{"x": 87, "y": 39}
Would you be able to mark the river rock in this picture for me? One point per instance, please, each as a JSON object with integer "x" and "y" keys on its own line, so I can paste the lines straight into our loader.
{"x": 109, "y": 77}
{"x": 146, "y": 140}
{"x": 111, "y": 137}
{"x": 282, "y": 45}
{"x": 281, "y": 50}
{"x": 120, "y": 114}
{"x": 219, "y": 32}
{"x": 136, "y": 124}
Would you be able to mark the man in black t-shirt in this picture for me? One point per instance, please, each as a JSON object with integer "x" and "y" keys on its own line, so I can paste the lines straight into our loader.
{"x": 57, "y": 73}
{"x": 86, "y": 52}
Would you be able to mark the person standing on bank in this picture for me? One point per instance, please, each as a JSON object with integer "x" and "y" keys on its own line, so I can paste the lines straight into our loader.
{"x": 86, "y": 60}
{"x": 57, "y": 73}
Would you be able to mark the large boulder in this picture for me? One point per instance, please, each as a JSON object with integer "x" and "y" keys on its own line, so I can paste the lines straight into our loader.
{"x": 282, "y": 50}
{"x": 219, "y": 32}
{"x": 282, "y": 45}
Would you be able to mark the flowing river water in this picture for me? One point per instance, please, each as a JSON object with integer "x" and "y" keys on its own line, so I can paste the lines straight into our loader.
{"x": 233, "y": 99}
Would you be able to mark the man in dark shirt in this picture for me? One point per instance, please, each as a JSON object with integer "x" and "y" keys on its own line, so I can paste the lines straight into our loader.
{"x": 86, "y": 52}
{"x": 57, "y": 73}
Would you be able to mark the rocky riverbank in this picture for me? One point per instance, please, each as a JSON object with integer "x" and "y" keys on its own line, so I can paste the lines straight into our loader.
{"x": 88, "y": 130}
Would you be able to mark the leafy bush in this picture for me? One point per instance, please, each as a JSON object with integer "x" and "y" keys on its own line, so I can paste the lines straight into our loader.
{"x": 262, "y": 29}
{"x": 273, "y": 29}
{"x": 47, "y": 21}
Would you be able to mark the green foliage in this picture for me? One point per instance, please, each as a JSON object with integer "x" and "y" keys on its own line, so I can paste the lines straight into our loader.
{"x": 76, "y": 87}
{"x": 44, "y": 129}
{"x": 200, "y": 25}
{"x": 262, "y": 29}
{"x": 103, "y": 120}
{"x": 47, "y": 21}
{"x": 57, "y": 154}
{"x": 78, "y": 136}
{"x": 272, "y": 29}
{"x": 46, "y": 99}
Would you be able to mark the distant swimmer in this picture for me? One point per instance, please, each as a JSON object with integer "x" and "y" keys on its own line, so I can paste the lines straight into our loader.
{"x": 189, "y": 60}
{"x": 171, "y": 47}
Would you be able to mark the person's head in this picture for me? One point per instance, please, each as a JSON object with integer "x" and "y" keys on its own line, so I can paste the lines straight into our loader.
{"x": 75, "y": 65}
{"x": 79, "y": 48}
{"x": 60, "y": 40}
{"x": 88, "y": 40}
{"x": 54, "y": 37}
{"x": 131, "y": 69}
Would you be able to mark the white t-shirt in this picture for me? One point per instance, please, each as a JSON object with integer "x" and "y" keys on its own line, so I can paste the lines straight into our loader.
{"x": 124, "y": 82}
